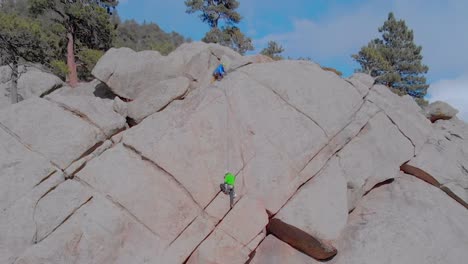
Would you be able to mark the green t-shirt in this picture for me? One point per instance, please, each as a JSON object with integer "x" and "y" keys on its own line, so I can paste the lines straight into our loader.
{"x": 230, "y": 179}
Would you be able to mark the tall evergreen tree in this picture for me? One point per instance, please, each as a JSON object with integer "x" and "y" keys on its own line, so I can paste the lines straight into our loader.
{"x": 395, "y": 60}
{"x": 85, "y": 23}
{"x": 21, "y": 39}
{"x": 215, "y": 11}
{"x": 273, "y": 50}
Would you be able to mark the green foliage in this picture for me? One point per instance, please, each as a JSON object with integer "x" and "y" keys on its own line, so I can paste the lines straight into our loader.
{"x": 59, "y": 68}
{"x": 337, "y": 72}
{"x": 146, "y": 37}
{"x": 22, "y": 38}
{"x": 273, "y": 50}
{"x": 395, "y": 60}
{"x": 214, "y": 10}
{"x": 88, "y": 59}
{"x": 85, "y": 23}
{"x": 230, "y": 37}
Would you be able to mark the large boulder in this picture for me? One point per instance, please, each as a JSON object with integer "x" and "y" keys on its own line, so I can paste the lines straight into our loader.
{"x": 57, "y": 134}
{"x": 94, "y": 88}
{"x": 35, "y": 83}
{"x": 156, "y": 98}
{"x": 231, "y": 127}
{"x": 127, "y": 72}
{"x": 440, "y": 110}
{"x": 407, "y": 221}
{"x": 32, "y": 82}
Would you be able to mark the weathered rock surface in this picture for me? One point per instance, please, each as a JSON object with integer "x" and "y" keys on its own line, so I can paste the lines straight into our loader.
{"x": 98, "y": 232}
{"x": 414, "y": 125}
{"x": 18, "y": 228}
{"x": 60, "y": 136}
{"x": 95, "y": 88}
{"x": 36, "y": 83}
{"x": 362, "y": 82}
{"x": 96, "y": 111}
{"x": 20, "y": 169}
{"x": 443, "y": 161}
{"x": 407, "y": 221}
{"x": 275, "y": 251}
{"x": 150, "y": 194}
{"x": 127, "y": 72}
{"x": 320, "y": 207}
{"x": 154, "y": 99}
{"x": 317, "y": 160}
{"x": 32, "y": 82}
{"x": 310, "y": 90}
{"x": 440, "y": 110}
{"x": 373, "y": 156}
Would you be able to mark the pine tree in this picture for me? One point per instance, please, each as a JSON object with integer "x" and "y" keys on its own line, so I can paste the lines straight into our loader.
{"x": 395, "y": 60}
{"x": 215, "y": 11}
{"x": 273, "y": 50}
{"x": 21, "y": 39}
{"x": 85, "y": 24}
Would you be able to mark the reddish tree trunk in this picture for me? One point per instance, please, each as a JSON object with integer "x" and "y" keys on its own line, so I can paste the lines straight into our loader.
{"x": 72, "y": 73}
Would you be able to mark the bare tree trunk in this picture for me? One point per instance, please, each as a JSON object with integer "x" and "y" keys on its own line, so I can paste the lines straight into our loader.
{"x": 72, "y": 73}
{"x": 14, "y": 81}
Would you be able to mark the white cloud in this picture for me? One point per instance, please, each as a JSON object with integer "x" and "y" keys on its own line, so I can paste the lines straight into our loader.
{"x": 454, "y": 92}
{"x": 439, "y": 26}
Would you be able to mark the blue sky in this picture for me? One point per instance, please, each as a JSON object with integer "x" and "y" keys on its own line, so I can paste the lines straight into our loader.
{"x": 329, "y": 31}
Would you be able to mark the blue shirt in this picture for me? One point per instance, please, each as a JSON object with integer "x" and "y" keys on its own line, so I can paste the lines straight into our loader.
{"x": 219, "y": 70}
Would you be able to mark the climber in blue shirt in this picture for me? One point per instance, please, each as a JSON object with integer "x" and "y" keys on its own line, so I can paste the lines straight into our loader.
{"x": 219, "y": 73}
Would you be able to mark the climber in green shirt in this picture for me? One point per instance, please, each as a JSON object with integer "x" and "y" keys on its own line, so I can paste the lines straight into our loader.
{"x": 228, "y": 186}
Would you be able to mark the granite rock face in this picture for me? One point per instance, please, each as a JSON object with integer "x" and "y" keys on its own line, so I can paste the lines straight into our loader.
{"x": 131, "y": 173}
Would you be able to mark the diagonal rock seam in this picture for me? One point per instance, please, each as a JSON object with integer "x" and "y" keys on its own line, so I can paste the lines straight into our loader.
{"x": 119, "y": 205}
{"x": 34, "y": 240}
{"x": 424, "y": 176}
{"x": 65, "y": 220}
{"x": 287, "y": 102}
{"x": 79, "y": 114}
{"x": 209, "y": 234}
{"x": 154, "y": 164}
{"x": 18, "y": 139}
{"x": 399, "y": 129}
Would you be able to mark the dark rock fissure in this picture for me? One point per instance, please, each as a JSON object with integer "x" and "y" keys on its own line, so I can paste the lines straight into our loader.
{"x": 130, "y": 122}
{"x": 88, "y": 152}
{"x": 380, "y": 184}
{"x": 165, "y": 171}
{"x": 424, "y": 176}
{"x": 301, "y": 240}
{"x": 27, "y": 146}
{"x": 77, "y": 113}
{"x": 65, "y": 220}
{"x": 284, "y": 100}
{"x": 45, "y": 178}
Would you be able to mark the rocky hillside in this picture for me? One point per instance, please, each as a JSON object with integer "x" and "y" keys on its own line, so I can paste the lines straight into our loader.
{"x": 126, "y": 169}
